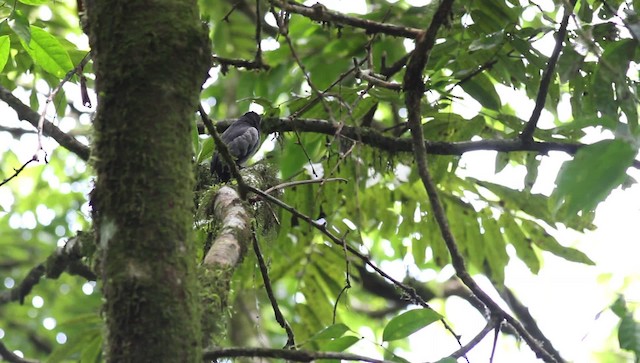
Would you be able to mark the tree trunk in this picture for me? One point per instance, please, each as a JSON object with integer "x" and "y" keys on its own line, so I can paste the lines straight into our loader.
{"x": 150, "y": 59}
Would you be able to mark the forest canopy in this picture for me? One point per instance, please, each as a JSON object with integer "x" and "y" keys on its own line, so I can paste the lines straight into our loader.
{"x": 421, "y": 166}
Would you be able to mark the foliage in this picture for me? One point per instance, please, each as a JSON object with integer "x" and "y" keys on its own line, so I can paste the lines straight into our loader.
{"x": 491, "y": 57}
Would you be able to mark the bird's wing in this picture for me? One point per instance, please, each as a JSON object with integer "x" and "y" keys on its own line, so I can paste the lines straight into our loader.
{"x": 244, "y": 144}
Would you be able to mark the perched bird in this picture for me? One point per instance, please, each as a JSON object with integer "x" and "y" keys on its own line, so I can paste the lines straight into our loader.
{"x": 242, "y": 139}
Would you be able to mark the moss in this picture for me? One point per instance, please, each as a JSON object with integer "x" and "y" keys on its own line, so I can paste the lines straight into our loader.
{"x": 214, "y": 294}
{"x": 150, "y": 60}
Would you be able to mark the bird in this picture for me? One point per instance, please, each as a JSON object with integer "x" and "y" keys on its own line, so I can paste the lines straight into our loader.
{"x": 242, "y": 139}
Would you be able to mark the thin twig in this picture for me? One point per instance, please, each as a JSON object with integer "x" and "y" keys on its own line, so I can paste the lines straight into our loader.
{"x": 291, "y": 342}
{"x": 19, "y": 170}
{"x": 258, "y": 59}
{"x": 413, "y": 296}
{"x": 547, "y": 76}
{"x": 496, "y": 334}
{"x": 49, "y": 99}
{"x": 347, "y": 279}
{"x": 26, "y": 113}
{"x": 492, "y": 324}
{"x": 301, "y": 182}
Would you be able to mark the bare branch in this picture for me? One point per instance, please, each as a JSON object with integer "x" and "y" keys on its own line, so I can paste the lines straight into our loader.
{"x": 320, "y": 13}
{"x": 377, "y": 139}
{"x": 547, "y": 76}
{"x": 291, "y": 355}
{"x": 492, "y": 324}
{"x": 26, "y": 113}
{"x": 238, "y": 63}
{"x": 19, "y": 170}
{"x": 52, "y": 95}
{"x": 291, "y": 341}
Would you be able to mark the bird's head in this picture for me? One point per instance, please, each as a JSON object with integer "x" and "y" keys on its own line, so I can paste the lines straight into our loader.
{"x": 252, "y": 119}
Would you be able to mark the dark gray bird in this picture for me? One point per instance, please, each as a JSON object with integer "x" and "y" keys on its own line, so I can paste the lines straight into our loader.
{"x": 242, "y": 138}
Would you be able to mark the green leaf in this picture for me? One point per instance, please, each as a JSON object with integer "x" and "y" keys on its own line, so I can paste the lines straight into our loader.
{"x": 629, "y": 334}
{"x": 611, "y": 70}
{"x": 548, "y": 243}
{"x": 589, "y": 178}
{"x": 569, "y": 64}
{"x": 206, "y": 149}
{"x": 5, "y": 47}
{"x": 520, "y": 242}
{"x": 488, "y": 42}
{"x": 195, "y": 142}
{"x": 331, "y": 332}
{"x": 619, "y": 307}
{"x": 339, "y": 344}
{"x": 20, "y": 26}
{"x": 47, "y": 52}
{"x": 93, "y": 349}
{"x": 294, "y": 155}
{"x": 447, "y": 360}
{"x": 502, "y": 160}
{"x": 34, "y": 2}
{"x": 481, "y": 88}
{"x": 408, "y": 323}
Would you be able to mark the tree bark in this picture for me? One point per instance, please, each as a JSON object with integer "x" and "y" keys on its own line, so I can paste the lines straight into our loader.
{"x": 150, "y": 59}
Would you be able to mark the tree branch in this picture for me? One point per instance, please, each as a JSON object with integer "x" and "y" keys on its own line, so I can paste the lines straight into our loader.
{"x": 292, "y": 355}
{"x": 10, "y": 356}
{"x": 414, "y": 297}
{"x": 523, "y": 314}
{"x": 27, "y": 114}
{"x": 18, "y": 171}
{"x": 414, "y": 88}
{"x": 493, "y": 323}
{"x": 291, "y": 342}
{"x": 227, "y": 248}
{"x": 320, "y": 13}
{"x": 60, "y": 260}
{"x": 225, "y": 63}
{"x": 376, "y": 139}
{"x": 547, "y": 76}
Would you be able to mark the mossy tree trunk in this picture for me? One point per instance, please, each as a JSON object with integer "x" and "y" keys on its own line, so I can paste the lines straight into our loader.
{"x": 150, "y": 59}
